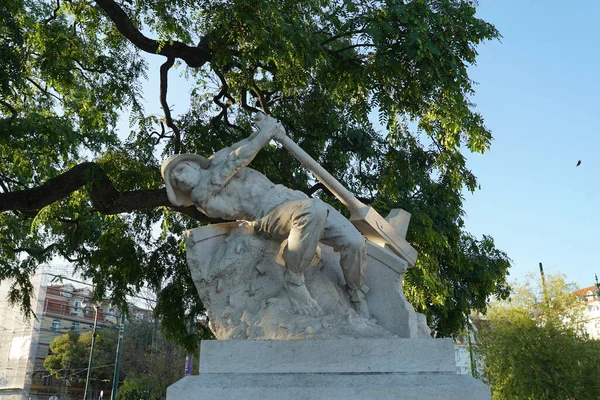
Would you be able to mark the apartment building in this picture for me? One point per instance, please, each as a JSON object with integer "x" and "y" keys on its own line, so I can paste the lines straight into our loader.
{"x": 591, "y": 313}
{"x": 24, "y": 345}
{"x": 18, "y": 343}
{"x": 64, "y": 308}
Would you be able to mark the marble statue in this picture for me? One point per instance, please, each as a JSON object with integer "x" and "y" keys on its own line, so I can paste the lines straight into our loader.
{"x": 222, "y": 186}
{"x": 304, "y": 302}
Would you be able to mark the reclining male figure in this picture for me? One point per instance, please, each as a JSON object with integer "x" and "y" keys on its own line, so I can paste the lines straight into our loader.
{"x": 223, "y": 187}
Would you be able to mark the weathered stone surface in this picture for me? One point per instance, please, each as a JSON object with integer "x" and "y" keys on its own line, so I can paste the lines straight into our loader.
{"x": 328, "y": 356}
{"x": 239, "y": 277}
{"x": 385, "y": 298}
{"x": 380, "y": 369}
{"x": 329, "y": 387}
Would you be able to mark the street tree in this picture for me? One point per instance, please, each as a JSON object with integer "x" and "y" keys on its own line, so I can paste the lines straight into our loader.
{"x": 69, "y": 357}
{"x": 150, "y": 362}
{"x": 533, "y": 346}
{"x": 377, "y": 92}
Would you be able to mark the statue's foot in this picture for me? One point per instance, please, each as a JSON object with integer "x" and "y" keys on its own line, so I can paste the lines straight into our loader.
{"x": 362, "y": 308}
{"x": 302, "y": 302}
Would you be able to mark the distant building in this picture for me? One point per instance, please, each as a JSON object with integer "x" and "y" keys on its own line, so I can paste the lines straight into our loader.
{"x": 591, "y": 313}
{"x": 18, "y": 343}
{"x": 465, "y": 352}
{"x": 462, "y": 355}
{"x": 24, "y": 345}
{"x": 64, "y": 308}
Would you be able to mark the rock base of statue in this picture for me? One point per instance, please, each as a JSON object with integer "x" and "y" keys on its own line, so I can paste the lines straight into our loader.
{"x": 374, "y": 369}
{"x": 239, "y": 276}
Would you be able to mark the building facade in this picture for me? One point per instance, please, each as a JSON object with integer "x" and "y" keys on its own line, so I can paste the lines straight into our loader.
{"x": 64, "y": 308}
{"x": 591, "y": 312}
{"x": 18, "y": 343}
{"x": 24, "y": 345}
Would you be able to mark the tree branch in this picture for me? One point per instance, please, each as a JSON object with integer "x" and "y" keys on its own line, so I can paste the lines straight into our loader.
{"x": 164, "y": 71}
{"x": 194, "y": 57}
{"x": 10, "y": 108}
{"x": 341, "y": 35}
{"x": 319, "y": 186}
{"x": 105, "y": 198}
{"x": 245, "y": 104}
{"x": 313, "y": 189}
{"x": 354, "y": 46}
{"x": 83, "y": 67}
{"x": 261, "y": 99}
{"x": 54, "y": 15}
{"x": 41, "y": 89}
{"x": 28, "y": 250}
{"x": 10, "y": 180}
{"x": 224, "y": 92}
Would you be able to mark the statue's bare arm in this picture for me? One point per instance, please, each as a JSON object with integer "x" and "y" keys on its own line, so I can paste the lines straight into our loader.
{"x": 227, "y": 162}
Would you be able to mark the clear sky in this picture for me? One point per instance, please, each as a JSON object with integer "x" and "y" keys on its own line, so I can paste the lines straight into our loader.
{"x": 538, "y": 90}
{"x": 539, "y": 94}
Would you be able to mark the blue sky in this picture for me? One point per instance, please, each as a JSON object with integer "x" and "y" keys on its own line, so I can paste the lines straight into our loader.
{"x": 538, "y": 90}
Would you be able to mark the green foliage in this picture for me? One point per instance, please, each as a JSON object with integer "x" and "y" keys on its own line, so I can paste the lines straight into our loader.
{"x": 149, "y": 362}
{"x": 135, "y": 389}
{"x": 69, "y": 357}
{"x": 324, "y": 67}
{"x": 532, "y": 347}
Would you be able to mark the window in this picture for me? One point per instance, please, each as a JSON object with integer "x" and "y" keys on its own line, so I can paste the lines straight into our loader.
{"x": 75, "y": 326}
{"x": 47, "y": 379}
{"x": 111, "y": 311}
{"x": 457, "y": 354}
{"x": 56, "y": 325}
{"x": 138, "y": 317}
{"x": 77, "y": 306}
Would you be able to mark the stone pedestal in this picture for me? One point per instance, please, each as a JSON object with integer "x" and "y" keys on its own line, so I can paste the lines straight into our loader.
{"x": 328, "y": 369}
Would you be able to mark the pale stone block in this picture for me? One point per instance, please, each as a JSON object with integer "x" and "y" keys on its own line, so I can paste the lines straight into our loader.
{"x": 399, "y": 220}
{"x": 375, "y": 228}
{"x": 355, "y": 369}
{"x": 328, "y": 356}
{"x": 386, "y": 298}
{"x": 328, "y": 387}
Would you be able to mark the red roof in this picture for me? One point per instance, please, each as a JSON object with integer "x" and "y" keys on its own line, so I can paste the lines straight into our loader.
{"x": 583, "y": 292}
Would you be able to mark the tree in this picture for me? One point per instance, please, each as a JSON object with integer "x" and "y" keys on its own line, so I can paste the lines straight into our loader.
{"x": 69, "y": 357}
{"x": 533, "y": 346}
{"x": 71, "y": 187}
{"x": 150, "y": 363}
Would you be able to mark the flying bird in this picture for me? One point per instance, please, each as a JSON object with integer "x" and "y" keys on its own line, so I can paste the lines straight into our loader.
{"x": 578, "y": 163}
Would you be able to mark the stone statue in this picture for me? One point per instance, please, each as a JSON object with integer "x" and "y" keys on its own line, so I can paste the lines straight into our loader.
{"x": 222, "y": 186}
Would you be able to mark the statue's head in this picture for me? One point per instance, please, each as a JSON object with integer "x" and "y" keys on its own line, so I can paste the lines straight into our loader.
{"x": 181, "y": 173}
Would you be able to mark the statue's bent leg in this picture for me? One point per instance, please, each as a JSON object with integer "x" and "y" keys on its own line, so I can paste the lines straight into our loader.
{"x": 350, "y": 243}
{"x": 302, "y": 222}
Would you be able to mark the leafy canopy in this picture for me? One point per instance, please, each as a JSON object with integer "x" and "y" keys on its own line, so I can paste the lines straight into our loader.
{"x": 148, "y": 364}
{"x": 533, "y": 347}
{"x": 70, "y": 186}
{"x": 69, "y": 357}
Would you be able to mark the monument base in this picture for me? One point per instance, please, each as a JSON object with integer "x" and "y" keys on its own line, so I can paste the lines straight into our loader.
{"x": 328, "y": 369}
